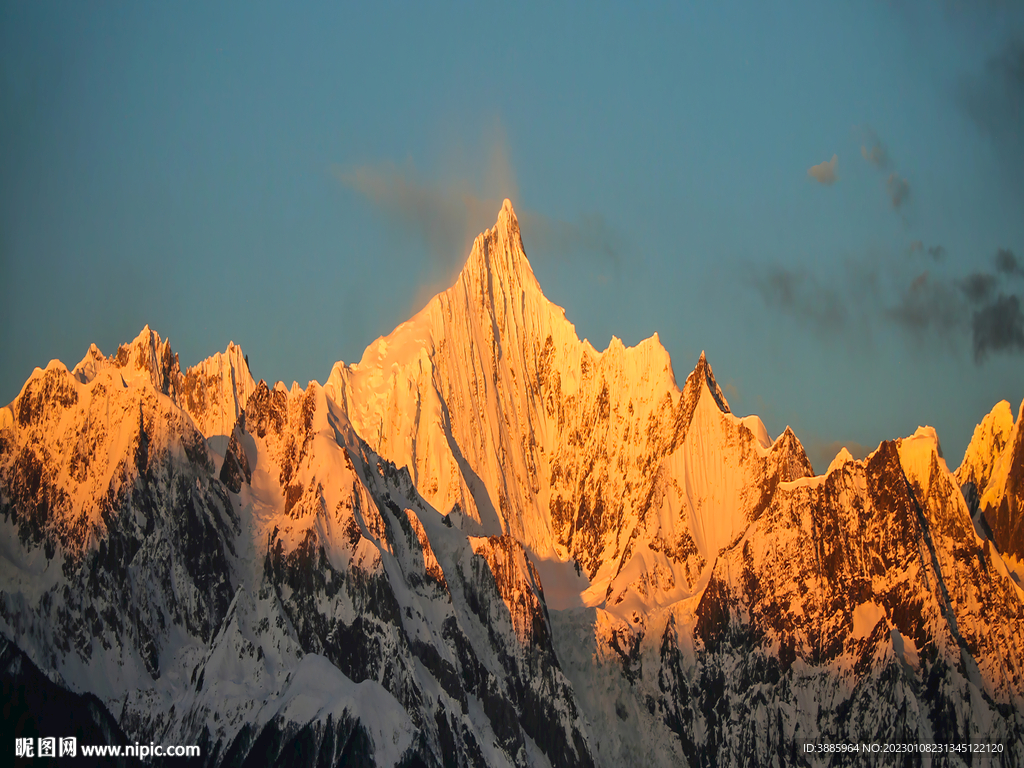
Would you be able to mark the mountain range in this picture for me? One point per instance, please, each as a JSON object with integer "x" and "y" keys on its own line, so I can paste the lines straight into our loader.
{"x": 489, "y": 544}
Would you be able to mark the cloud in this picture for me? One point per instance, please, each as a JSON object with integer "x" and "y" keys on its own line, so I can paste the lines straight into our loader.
{"x": 998, "y": 327}
{"x": 932, "y": 310}
{"x": 873, "y": 150}
{"x": 899, "y": 190}
{"x": 935, "y": 252}
{"x": 994, "y": 100}
{"x": 978, "y": 287}
{"x": 799, "y": 294}
{"x": 994, "y": 97}
{"x": 1007, "y": 263}
{"x": 444, "y": 215}
{"x": 447, "y": 216}
{"x": 897, "y": 187}
{"x": 928, "y": 306}
{"x": 825, "y": 173}
{"x": 590, "y": 233}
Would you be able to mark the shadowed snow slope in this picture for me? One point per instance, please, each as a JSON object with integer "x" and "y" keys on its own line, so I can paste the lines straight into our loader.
{"x": 354, "y": 573}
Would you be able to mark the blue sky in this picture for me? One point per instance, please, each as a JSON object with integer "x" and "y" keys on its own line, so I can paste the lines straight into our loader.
{"x": 301, "y": 180}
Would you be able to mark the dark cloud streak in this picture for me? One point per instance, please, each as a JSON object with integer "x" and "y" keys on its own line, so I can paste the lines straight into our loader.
{"x": 931, "y": 309}
{"x": 799, "y": 294}
{"x": 1007, "y": 263}
{"x": 928, "y": 306}
{"x": 590, "y": 234}
{"x": 995, "y": 97}
{"x": 978, "y": 287}
{"x": 994, "y": 100}
{"x": 998, "y": 327}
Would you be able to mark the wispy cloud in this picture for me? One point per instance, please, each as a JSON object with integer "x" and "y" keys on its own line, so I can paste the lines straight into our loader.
{"x": 873, "y": 150}
{"x": 589, "y": 234}
{"x": 899, "y": 190}
{"x": 935, "y": 252}
{"x": 443, "y": 216}
{"x": 994, "y": 100}
{"x": 927, "y": 307}
{"x": 825, "y": 173}
{"x": 797, "y": 292}
{"x": 829, "y": 307}
{"x": 446, "y": 216}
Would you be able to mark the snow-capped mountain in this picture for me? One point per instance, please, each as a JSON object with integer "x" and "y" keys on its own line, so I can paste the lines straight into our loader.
{"x": 488, "y": 543}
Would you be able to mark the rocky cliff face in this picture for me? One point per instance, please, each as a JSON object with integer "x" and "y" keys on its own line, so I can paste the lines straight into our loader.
{"x": 488, "y": 543}
{"x": 992, "y": 478}
{"x": 291, "y": 599}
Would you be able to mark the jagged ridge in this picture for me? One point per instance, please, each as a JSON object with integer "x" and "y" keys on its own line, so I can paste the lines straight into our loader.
{"x": 355, "y": 570}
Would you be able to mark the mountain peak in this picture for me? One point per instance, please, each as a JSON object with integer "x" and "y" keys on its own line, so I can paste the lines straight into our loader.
{"x": 986, "y": 446}
{"x": 214, "y": 391}
{"x": 93, "y": 362}
{"x": 703, "y": 376}
{"x": 148, "y": 356}
{"x": 842, "y": 458}
{"x": 498, "y": 258}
